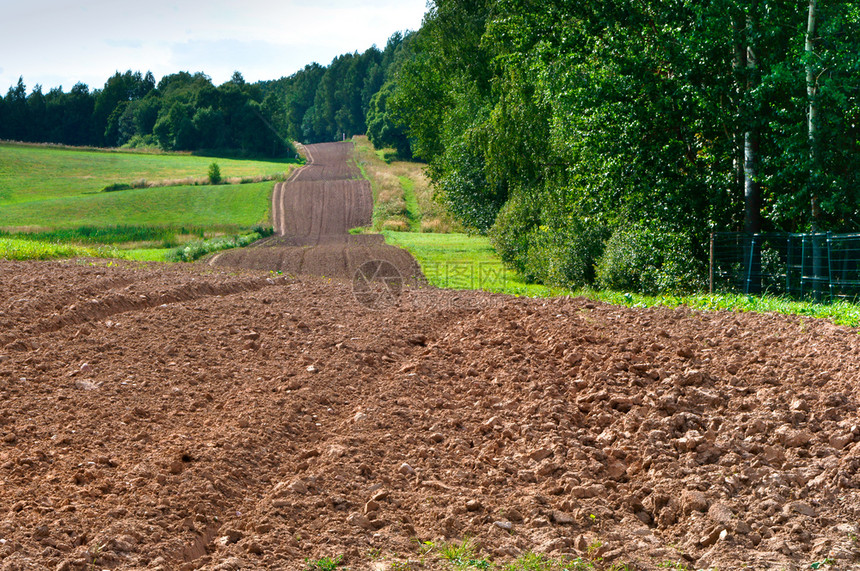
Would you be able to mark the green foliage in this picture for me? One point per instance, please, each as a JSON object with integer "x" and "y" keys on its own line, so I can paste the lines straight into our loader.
{"x": 199, "y": 248}
{"x": 214, "y": 174}
{"x": 649, "y": 259}
{"x": 545, "y": 245}
{"x": 183, "y": 112}
{"x": 323, "y": 564}
{"x": 385, "y": 128}
{"x": 24, "y": 249}
{"x": 115, "y": 186}
{"x": 538, "y": 562}
{"x": 462, "y": 555}
{"x": 628, "y": 111}
{"x": 112, "y": 234}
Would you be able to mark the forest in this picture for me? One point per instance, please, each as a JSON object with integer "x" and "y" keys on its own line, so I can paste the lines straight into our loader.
{"x": 594, "y": 142}
{"x": 601, "y": 142}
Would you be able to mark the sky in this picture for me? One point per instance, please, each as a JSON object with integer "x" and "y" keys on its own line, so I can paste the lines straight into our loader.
{"x": 61, "y": 42}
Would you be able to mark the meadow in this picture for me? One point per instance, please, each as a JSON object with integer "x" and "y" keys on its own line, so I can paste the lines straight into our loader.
{"x": 55, "y": 199}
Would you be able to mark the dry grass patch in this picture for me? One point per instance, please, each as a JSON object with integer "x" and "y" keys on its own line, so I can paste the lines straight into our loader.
{"x": 402, "y": 194}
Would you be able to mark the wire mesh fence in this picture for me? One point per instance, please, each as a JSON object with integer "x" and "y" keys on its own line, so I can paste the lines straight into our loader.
{"x": 822, "y": 266}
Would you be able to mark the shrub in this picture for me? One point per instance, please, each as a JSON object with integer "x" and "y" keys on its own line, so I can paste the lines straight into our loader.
{"x": 116, "y": 186}
{"x": 199, "y": 248}
{"x": 510, "y": 233}
{"x": 650, "y": 259}
{"x": 547, "y": 246}
{"x": 214, "y": 174}
{"x": 566, "y": 254}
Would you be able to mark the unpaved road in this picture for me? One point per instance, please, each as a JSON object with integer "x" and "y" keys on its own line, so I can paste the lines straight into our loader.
{"x": 196, "y": 418}
{"x": 312, "y": 214}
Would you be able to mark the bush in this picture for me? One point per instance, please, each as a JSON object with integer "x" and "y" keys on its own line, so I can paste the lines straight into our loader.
{"x": 116, "y": 186}
{"x": 199, "y": 248}
{"x": 565, "y": 255}
{"x": 512, "y": 229}
{"x": 142, "y": 142}
{"x": 650, "y": 259}
{"x": 214, "y": 174}
{"x": 547, "y": 246}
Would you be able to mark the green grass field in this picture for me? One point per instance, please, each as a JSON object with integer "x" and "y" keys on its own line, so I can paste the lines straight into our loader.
{"x": 30, "y": 173}
{"x": 461, "y": 261}
{"x": 52, "y": 204}
{"x": 222, "y": 206}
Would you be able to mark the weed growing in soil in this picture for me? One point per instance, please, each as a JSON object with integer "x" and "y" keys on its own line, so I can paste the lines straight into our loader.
{"x": 463, "y": 555}
{"x": 324, "y": 564}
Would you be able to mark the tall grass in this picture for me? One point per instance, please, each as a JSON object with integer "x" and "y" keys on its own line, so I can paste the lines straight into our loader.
{"x": 18, "y": 249}
{"x": 403, "y": 197}
{"x": 118, "y": 234}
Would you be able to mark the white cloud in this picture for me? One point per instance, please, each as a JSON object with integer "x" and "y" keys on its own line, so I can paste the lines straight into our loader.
{"x": 60, "y": 42}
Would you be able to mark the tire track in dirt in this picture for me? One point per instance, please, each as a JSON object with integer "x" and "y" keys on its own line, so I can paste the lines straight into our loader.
{"x": 312, "y": 213}
{"x": 113, "y": 303}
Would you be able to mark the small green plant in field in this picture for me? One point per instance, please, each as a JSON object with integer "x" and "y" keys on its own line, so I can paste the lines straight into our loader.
{"x": 463, "y": 555}
{"x": 593, "y": 549}
{"x": 670, "y": 565}
{"x": 819, "y": 564}
{"x": 97, "y": 550}
{"x": 537, "y": 562}
{"x": 624, "y": 567}
{"x": 214, "y": 174}
{"x": 425, "y": 547}
{"x": 324, "y": 564}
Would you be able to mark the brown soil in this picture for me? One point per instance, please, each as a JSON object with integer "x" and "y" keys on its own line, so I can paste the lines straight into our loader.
{"x": 312, "y": 214}
{"x": 187, "y": 417}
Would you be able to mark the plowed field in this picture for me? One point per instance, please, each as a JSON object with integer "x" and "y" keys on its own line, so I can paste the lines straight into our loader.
{"x": 190, "y": 418}
{"x": 312, "y": 214}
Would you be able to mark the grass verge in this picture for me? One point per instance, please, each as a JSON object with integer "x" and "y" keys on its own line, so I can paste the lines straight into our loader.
{"x": 402, "y": 195}
{"x": 839, "y": 312}
{"x": 460, "y": 261}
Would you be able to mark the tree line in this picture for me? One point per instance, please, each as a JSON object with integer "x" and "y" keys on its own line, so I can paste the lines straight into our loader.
{"x": 187, "y": 112}
{"x": 603, "y": 140}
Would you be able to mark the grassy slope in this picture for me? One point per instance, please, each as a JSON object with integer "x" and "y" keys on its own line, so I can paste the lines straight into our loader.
{"x": 220, "y": 206}
{"x": 31, "y": 173}
{"x": 43, "y": 187}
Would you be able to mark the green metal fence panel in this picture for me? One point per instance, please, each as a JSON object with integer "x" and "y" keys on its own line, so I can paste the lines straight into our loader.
{"x": 817, "y": 266}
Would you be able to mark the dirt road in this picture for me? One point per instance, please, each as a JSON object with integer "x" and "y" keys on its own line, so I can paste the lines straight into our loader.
{"x": 312, "y": 214}
{"x": 188, "y": 417}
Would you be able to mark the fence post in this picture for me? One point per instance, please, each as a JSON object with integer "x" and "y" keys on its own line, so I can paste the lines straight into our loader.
{"x": 711, "y": 268}
{"x": 830, "y": 264}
